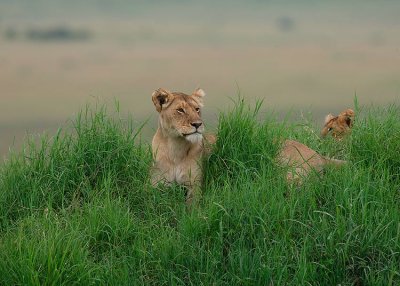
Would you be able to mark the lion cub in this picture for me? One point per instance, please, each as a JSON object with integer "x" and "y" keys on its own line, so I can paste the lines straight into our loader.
{"x": 179, "y": 142}
{"x": 339, "y": 125}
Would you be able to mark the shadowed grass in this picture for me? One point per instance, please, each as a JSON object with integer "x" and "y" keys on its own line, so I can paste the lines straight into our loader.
{"x": 78, "y": 209}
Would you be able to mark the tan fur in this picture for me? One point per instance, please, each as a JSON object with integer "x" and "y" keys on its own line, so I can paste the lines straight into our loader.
{"x": 339, "y": 125}
{"x": 302, "y": 160}
{"x": 179, "y": 144}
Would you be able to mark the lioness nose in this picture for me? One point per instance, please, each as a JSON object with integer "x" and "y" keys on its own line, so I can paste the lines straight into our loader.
{"x": 196, "y": 124}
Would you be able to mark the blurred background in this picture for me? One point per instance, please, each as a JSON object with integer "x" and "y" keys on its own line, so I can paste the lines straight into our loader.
{"x": 300, "y": 55}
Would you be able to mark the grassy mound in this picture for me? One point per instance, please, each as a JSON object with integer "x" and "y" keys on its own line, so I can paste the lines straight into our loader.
{"x": 78, "y": 208}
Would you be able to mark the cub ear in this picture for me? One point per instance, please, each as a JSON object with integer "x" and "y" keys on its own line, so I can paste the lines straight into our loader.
{"x": 328, "y": 118}
{"x": 198, "y": 94}
{"x": 161, "y": 98}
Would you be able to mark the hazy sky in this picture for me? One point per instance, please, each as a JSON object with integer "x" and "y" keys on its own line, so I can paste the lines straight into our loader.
{"x": 55, "y": 56}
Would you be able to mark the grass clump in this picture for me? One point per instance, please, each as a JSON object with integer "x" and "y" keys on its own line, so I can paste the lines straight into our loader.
{"x": 77, "y": 209}
{"x": 73, "y": 166}
{"x": 375, "y": 143}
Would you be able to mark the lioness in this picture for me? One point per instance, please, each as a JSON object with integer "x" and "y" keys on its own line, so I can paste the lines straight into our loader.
{"x": 302, "y": 160}
{"x": 339, "y": 125}
{"x": 179, "y": 142}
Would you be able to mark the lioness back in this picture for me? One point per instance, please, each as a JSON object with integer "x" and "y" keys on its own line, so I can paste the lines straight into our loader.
{"x": 302, "y": 160}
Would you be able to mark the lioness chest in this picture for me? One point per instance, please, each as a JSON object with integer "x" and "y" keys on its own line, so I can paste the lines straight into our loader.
{"x": 182, "y": 173}
{"x": 174, "y": 163}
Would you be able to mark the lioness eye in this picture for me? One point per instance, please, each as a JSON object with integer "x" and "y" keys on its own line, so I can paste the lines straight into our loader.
{"x": 197, "y": 109}
{"x": 330, "y": 129}
{"x": 180, "y": 110}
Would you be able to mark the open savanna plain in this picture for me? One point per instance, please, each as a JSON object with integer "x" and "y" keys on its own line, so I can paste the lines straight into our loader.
{"x": 303, "y": 55}
{"x": 77, "y": 207}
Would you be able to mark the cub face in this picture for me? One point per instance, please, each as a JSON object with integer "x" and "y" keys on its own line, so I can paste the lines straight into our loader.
{"x": 339, "y": 125}
{"x": 180, "y": 114}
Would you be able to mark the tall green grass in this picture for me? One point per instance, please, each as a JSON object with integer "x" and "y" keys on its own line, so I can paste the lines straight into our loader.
{"x": 78, "y": 209}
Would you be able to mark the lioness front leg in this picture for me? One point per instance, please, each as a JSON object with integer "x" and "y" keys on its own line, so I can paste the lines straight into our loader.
{"x": 192, "y": 180}
{"x": 193, "y": 194}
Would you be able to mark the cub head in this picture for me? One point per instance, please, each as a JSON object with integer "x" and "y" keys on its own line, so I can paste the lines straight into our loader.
{"x": 339, "y": 125}
{"x": 180, "y": 114}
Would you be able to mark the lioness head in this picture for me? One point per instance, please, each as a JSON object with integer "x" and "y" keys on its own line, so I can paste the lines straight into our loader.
{"x": 180, "y": 114}
{"x": 339, "y": 125}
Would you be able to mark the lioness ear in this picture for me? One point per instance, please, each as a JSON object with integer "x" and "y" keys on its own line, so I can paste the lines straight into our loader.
{"x": 161, "y": 98}
{"x": 349, "y": 121}
{"x": 328, "y": 118}
{"x": 198, "y": 94}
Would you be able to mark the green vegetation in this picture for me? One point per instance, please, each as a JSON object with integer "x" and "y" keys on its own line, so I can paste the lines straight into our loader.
{"x": 78, "y": 209}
